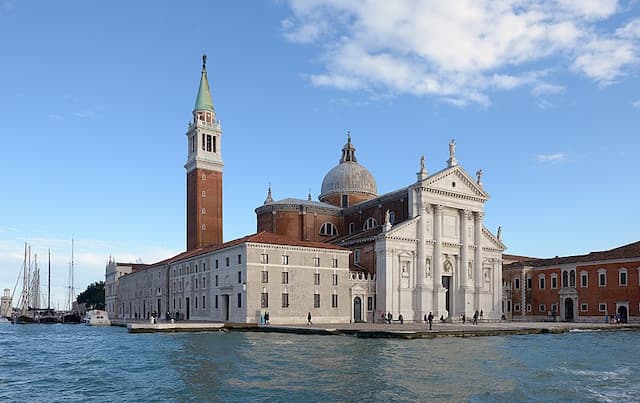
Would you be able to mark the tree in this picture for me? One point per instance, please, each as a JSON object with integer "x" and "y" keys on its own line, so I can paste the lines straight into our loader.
{"x": 93, "y": 295}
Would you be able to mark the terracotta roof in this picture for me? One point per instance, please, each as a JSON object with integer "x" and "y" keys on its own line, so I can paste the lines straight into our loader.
{"x": 261, "y": 237}
{"x": 628, "y": 251}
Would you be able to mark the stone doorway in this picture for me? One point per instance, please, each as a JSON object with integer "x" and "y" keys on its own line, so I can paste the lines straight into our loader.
{"x": 446, "y": 283}
{"x": 357, "y": 309}
{"x": 622, "y": 311}
{"x": 568, "y": 309}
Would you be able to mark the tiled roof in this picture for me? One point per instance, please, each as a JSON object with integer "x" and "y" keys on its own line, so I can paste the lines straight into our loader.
{"x": 628, "y": 251}
{"x": 261, "y": 237}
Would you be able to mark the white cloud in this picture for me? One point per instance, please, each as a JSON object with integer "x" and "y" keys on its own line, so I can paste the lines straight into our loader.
{"x": 459, "y": 51}
{"x": 636, "y": 104}
{"x": 551, "y": 158}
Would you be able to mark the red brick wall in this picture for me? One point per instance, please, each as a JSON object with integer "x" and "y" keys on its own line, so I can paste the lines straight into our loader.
{"x": 210, "y": 182}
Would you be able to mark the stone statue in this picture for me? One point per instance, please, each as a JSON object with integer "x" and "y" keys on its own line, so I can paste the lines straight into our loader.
{"x": 428, "y": 268}
{"x": 387, "y": 217}
{"x": 470, "y": 270}
{"x": 452, "y": 149}
{"x": 204, "y": 61}
{"x": 499, "y": 233}
{"x": 479, "y": 176}
{"x": 422, "y": 163}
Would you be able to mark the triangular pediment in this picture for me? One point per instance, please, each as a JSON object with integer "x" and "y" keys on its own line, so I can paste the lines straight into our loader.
{"x": 404, "y": 230}
{"x": 457, "y": 182}
{"x": 491, "y": 241}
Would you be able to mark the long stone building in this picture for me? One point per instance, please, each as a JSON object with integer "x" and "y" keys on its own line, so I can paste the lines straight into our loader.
{"x": 353, "y": 255}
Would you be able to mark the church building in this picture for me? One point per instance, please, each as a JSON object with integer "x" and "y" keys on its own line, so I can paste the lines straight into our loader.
{"x": 351, "y": 256}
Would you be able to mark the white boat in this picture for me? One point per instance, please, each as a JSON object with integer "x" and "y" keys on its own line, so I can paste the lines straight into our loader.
{"x": 97, "y": 317}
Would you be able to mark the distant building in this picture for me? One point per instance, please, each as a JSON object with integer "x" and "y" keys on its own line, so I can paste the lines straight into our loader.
{"x": 351, "y": 256}
{"x": 113, "y": 272}
{"x": 583, "y": 288}
{"x": 5, "y": 304}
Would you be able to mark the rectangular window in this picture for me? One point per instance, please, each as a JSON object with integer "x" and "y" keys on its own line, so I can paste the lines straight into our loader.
{"x": 352, "y": 228}
{"x": 334, "y": 300}
{"x": 541, "y": 308}
{"x": 264, "y": 258}
{"x": 528, "y": 307}
{"x": 285, "y": 277}
{"x": 584, "y": 307}
{"x": 226, "y": 259}
{"x": 204, "y": 282}
{"x": 216, "y": 263}
{"x": 216, "y": 302}
{"x": 264, "y": 300}
{"x": 554, "y": 308}
{"x": 554, "y": 282}
{"x": 623, "y": 279}
{"x": 602, "y": 307}
{"x": 204, "y": 306}
{"x": 529, "y": 286}
{"x": 265, "y": 276}
{"x": 316, "y": 300}
{"x": 239, "y": 300}
{"x": 209, "y": 145}
{"x": 369, "y": 303}
{"x": 239, "y": 259}
{"x": 195, "y": 301}
{"x": 602, "y": 279}
{"x": 203, "y": 141}
{"x": 316, "y": 278}
{"x": 285, "y": 300}
{"x": 216, "y": 280}
{"x": 516, "y": 283}
{"x": 334, "y": 262}
{"x": 214, "y": 144}
{"x": 516, "y": 307}
{"x": 345, "y": 200}
{"x": 356, "y": 256}
{"x": 541, "y": 280}
{"x": 583, "y": 280}
{"x": 285, "y": 259}
{"x": 334, "y": 279}
{"x": 316, "y": 261}
{"x": 239, "y": 277}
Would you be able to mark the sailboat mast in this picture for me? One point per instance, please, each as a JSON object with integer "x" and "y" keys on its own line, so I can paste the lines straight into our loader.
{"x": 49, "y": 284}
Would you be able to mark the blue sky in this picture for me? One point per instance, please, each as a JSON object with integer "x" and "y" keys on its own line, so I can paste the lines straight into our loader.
{"x": 543, "y": 96}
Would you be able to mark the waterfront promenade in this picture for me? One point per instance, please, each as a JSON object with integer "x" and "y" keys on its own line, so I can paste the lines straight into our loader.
{"x": 381, "y": 330}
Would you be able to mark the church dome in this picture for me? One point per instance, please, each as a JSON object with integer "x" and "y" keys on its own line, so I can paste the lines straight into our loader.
{"x": 348, "y": 177}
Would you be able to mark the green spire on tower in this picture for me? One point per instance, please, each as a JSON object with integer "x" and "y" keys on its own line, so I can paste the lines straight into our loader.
{"x": 203, "y": 100}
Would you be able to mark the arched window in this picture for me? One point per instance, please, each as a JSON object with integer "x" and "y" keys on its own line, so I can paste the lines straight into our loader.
{"x": 572, "y": 278}
{"x": 565, "y": 279}
{"x": 328, "y": 229}
{"x": 370, "y": 223}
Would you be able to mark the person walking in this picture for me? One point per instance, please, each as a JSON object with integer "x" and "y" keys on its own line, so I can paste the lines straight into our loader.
{"x": 430, "y": 320}
{"x": 309, "y": 319}
{"x": 475, "y": 318}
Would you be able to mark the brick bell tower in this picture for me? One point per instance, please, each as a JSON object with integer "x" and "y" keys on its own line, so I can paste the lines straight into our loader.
{"x": 204, "y": 171}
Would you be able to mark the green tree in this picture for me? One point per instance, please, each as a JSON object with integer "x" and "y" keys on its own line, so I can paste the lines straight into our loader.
{"x": 93, "y": 295}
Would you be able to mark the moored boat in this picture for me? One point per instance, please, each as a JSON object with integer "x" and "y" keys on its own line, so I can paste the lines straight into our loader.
{"x": 97, "y": 317}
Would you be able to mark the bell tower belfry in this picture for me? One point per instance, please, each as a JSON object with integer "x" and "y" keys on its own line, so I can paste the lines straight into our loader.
{"x": 204, "y": 170}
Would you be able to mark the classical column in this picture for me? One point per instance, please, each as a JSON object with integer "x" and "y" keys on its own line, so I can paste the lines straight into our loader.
{"x": 437, "y": 247}
{"x": 477, "y": 260}
{"x": 464, "y": 250}
{"x": 422, "y": 232}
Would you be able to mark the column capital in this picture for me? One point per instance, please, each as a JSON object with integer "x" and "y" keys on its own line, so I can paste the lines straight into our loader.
{"x": 479, "y": 215}
{"x": 468, "y": 214}
{"x": 438, "y": 208}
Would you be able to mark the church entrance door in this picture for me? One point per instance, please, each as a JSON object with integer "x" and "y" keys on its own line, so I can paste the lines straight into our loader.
{"x": 568, "y": 309}
{"x": 446, "y": 283}
{"x": 357, "y": 309}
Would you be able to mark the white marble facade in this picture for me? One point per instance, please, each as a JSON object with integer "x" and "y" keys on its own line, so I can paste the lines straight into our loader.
{"x": 442, "y": 260}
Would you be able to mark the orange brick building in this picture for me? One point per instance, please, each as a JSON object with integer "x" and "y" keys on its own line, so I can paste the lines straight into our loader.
{"x": 585, "y": 288}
